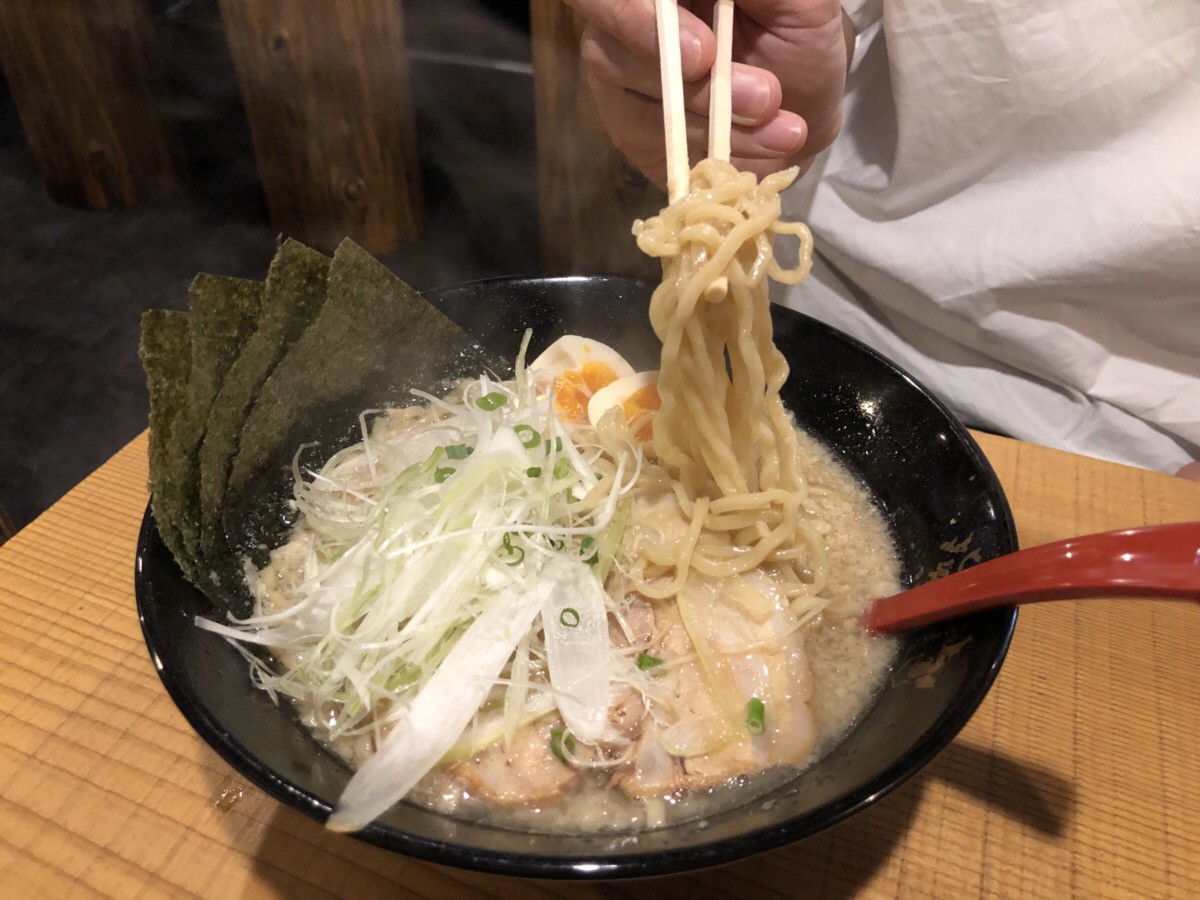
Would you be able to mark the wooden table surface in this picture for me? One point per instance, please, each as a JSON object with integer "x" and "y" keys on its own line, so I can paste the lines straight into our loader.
{"x": 1078, "y": 775}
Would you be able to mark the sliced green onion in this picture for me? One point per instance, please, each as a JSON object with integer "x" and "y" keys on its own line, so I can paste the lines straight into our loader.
{"x": 557, "y": 445}
{"x": 569, "y": 617}
{"x": 459, "y": 451}
{"x": 755, "y": 712}
{"x": 509, "y": 549}
{"x": 555, "y": 543}
{"x": 646, "y": 661}
{"x": 491, "y": 402}
{"x": 560, "y": 739}
{"x": 534, "y": 471}
{"x": 562, "y": 468}
{"x": 584, "y": 546}
{"x": 529, "y": 435}
{"x": 440, "y": 475}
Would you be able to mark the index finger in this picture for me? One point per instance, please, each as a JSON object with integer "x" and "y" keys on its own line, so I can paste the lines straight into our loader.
{"x": 632, "y": 23}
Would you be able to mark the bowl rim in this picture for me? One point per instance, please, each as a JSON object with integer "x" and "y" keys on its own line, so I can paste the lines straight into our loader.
{"x": 635, "y": 864}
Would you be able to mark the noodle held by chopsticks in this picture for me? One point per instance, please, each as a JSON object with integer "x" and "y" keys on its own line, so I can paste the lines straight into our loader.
{"x": 722, "y": 429}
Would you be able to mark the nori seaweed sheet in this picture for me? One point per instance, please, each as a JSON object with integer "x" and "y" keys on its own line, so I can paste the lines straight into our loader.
{"x": 295, "y": 292}
{"x": 165, "y": 350}
{"x": 372, "y": 342}
{"x": 223, "y": 314}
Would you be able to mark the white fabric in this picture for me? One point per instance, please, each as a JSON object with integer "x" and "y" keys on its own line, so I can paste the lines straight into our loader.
{"x": 1012, "y": 212}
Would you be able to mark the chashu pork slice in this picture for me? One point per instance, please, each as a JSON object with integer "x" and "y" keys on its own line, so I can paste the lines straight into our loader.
{"x": 700, "y": 738}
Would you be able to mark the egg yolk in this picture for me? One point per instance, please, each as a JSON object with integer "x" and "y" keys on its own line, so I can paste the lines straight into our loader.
{"x": 639, "y": 408}
{"x": 574, "y": 388}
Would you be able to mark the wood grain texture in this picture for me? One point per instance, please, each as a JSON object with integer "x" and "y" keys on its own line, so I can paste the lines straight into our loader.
{"x": 327, "y": 95}
{"x": 1075, "y": 778}
{"x": 584, "y": 222}
{"x": 89, "y": 91}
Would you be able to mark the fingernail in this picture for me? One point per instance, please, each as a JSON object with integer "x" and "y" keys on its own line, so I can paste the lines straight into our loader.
{"x": 690, "y": 49}
{"x": 750, "y": 95}
{"x": 783, "y": 137}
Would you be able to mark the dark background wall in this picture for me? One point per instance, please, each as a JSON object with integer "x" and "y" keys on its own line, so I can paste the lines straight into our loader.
{"x": 73, "y": 283}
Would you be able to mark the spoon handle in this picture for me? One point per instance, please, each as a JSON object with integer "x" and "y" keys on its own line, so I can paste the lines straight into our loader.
{"x": 1157, "y": 561}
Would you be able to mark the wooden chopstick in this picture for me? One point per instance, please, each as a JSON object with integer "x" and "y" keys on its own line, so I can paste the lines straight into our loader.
{"x": 674, "y": 122}
{"x": 720, "y": 100}
{"x": 720, "y": 111}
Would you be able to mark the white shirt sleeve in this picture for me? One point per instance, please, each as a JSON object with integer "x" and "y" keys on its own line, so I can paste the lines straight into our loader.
{"x": 1013, "y": 211}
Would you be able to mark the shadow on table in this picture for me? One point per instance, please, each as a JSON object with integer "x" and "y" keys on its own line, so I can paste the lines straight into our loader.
{"x": 1031, "y": 795}
{"x": 299, "y": 858}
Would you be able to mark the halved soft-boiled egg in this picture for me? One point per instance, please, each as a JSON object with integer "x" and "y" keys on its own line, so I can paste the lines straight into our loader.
{"x": 637, "y": 397}
{"x": 579, "y": 368}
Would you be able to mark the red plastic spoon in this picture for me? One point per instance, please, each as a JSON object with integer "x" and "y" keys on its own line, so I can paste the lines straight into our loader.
{"x": 1158, "y": 561}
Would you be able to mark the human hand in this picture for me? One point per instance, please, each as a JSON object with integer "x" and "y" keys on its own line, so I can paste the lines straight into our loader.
{"x": 788, "y": 78}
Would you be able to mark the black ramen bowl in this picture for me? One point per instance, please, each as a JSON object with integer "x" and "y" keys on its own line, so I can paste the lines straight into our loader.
{"x": 936, "y": 490}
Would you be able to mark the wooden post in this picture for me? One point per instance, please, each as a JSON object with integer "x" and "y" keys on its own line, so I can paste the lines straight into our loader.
{"x": 326, "y": 90}
{"x": 7, "y": 527}
{"x": 88, "y": 92}
{"x": 589, "y": 194}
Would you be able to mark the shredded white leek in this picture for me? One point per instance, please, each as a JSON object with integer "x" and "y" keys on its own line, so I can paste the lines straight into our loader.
{"x": 442, "y": 709}
{"x": 430, "y": 550}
